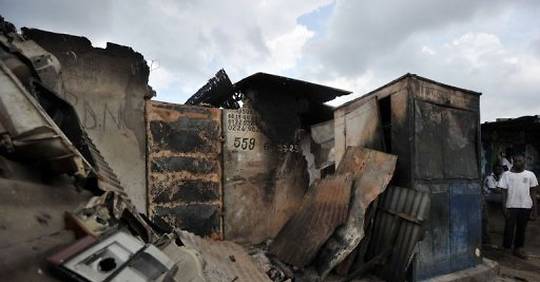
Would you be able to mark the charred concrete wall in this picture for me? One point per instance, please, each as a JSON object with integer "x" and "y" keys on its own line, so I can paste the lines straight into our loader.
{"x": 265, "y": 177}
{"x": 107, "y": 87}
{"x": 246, "y": 193}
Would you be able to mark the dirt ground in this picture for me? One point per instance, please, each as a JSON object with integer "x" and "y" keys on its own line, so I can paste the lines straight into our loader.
{"x": 513, "y": 268}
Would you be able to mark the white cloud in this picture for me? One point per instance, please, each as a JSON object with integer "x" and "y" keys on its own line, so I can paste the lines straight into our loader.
{"x": 190, "y": 40}
{"x": 427, "y": 50}
{"x": 475, "y": 49}
{"x": 286, "y": 49}
{"x": 491, "y": 46}
{"x": 160, "y": 77}
{"x": 361, "y": 85}
{"x": 479, "y": 46}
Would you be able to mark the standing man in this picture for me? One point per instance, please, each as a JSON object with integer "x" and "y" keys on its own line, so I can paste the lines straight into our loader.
{"x": 506, "y": 159}
{"x": 490, "y": 188}
{"x": 519, "y": 199}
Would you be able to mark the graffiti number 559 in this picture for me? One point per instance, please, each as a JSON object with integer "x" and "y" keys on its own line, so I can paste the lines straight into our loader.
{"x": 244, "y": 143}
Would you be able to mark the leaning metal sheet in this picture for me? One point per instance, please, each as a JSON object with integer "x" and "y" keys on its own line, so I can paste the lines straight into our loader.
{"x": 325, "y": 207}
{"x": 399, "y": 224}
{"x": 372, "y": 171}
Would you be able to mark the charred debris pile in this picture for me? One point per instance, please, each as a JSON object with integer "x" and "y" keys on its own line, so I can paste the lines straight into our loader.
{"x": 257, "y": 180}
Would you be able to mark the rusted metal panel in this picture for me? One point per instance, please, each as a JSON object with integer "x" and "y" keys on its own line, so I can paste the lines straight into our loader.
{"x": 397, "y": 85}
{"x": 398, "y": 226}
{"x": 460, "y": 140}
{"x": 264, "y": 181}
{"x": 224, "y": 260}
{"x": 445, "y": 127}
{"x": 360, "y": 126}
{"x": 325, "y": 207}
{"x": 184, "y": 167}
{"x": 444, "y": 95}
{"x": 399, "y": 131}
{"x": 446, "y": 141}
{"x": 434, "y": 130}
{"x": 372, "y": 171}
{"x": 429, "y": 163}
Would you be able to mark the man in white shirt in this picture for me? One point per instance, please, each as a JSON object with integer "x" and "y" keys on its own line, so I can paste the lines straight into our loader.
{"x": 519, "y": 199}
{"x": 506, "y": 159}
{"x": 490, "y": 187}
{"x": 507, "y": 165}
{"x": 492, "y": 180}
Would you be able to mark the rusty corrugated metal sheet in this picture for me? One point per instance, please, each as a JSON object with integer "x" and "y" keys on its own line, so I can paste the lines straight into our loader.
{"x": 372, "y": 171}
{"x": 224, "y": 260}
{"x": 398, "y": 226}
{"x": 325, "y": 207}
{"x": 184, "y": 167}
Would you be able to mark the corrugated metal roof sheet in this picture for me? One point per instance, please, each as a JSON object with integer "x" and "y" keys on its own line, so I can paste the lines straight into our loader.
{"x": 325, "y": 206}
{"x": 398, "y": 226}
{"x": 372, "y": 172}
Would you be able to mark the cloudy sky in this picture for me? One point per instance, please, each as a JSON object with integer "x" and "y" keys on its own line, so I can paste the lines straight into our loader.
{"x": 490, "y": 46}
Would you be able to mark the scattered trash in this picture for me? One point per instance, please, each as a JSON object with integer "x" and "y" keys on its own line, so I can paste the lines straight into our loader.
{"x": 113, "y": 257}
{"x": 218, "y": 265}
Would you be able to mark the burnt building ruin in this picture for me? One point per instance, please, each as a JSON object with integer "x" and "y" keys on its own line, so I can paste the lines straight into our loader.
{"x": 257, "y": 180}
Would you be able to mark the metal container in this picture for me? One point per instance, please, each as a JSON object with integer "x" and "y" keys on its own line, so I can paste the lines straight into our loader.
{"x": 435, "y": 131}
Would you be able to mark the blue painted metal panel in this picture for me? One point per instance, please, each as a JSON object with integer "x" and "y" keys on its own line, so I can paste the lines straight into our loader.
{"x": 453, "y": 232}
{"x": 465, "y": 224}
{"x": 434, "y": 252}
